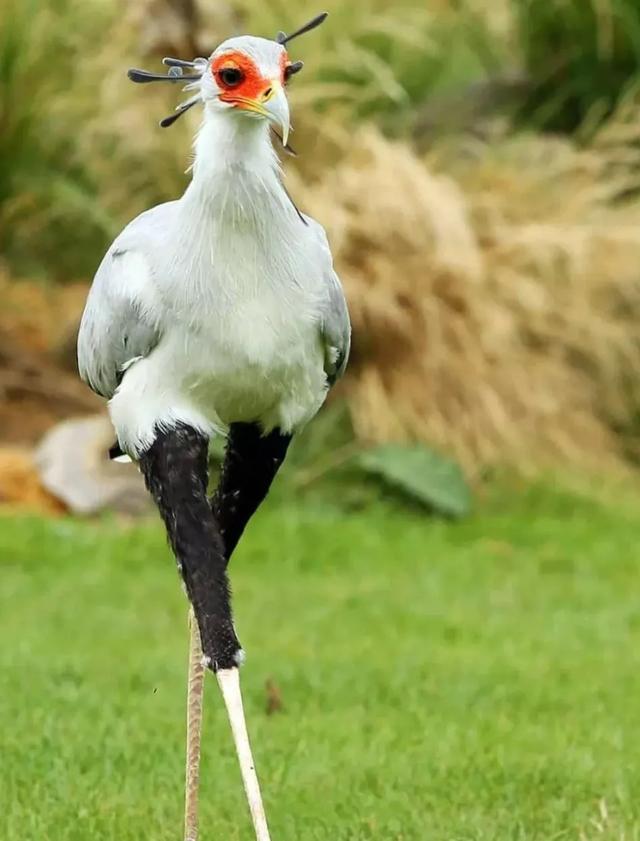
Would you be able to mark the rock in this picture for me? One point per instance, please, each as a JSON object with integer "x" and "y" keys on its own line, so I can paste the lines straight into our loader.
{"x": 74, "y": 465}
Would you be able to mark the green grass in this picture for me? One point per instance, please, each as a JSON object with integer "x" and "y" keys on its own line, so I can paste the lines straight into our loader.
{"x": 478, "y": 680}
{"x": 581, "y": 56}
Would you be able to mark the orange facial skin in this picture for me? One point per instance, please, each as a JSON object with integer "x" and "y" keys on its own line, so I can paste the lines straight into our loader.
{"x": 252, "y": 87}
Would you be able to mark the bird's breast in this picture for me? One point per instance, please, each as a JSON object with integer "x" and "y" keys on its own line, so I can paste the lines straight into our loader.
{"x": 244, "y": 357}
{"x": 245, "y": 322}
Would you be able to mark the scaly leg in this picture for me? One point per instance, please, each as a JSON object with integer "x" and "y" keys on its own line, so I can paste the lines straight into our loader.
{"x": 229, "y": 683}
{"x": 195, "y": 697}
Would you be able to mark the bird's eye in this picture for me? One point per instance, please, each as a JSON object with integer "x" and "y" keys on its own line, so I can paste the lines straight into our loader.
{"x": 230, "y": 77}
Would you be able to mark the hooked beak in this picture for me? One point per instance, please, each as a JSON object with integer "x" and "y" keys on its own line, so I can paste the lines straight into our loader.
{"x": 271, "y": 104}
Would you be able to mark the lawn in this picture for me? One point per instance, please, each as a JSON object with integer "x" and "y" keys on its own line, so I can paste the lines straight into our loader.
{"x": 454, "y": 682}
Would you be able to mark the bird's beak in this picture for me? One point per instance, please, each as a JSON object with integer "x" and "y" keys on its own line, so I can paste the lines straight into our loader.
{"x": 277, "y": 108}
{"x": 271, "y": 104}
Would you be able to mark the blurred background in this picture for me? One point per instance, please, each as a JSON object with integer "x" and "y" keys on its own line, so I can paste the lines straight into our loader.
{"x": 439, "y": 598}
{"x": 477, "y": 167}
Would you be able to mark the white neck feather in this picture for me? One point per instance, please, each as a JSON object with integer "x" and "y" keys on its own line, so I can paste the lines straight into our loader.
{"x": 236, "y": 172}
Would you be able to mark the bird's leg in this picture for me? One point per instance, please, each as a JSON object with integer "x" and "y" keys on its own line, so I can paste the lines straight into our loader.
{"x": 229, "y": 682}
{"x": 250, "y": 465}
{"x": 195, "y": 695}
{"x": 175, "y": 468}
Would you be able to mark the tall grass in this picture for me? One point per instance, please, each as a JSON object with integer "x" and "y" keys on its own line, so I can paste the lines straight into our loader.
{"x": 583, "y": 57}
{"x": 49, "y": 208}
{"x": 385, "y": 60}
{"x": 493, "y": 284}
{"x": 80, "y": 151}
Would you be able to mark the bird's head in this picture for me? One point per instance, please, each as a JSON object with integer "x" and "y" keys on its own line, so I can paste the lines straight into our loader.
{"x": 245, "y": 75}
{"x": 249, "y": 75}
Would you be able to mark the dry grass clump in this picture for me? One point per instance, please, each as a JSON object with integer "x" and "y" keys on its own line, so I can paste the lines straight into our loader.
{"x": 494, "y": 286}
{"x": 495, "y": 306}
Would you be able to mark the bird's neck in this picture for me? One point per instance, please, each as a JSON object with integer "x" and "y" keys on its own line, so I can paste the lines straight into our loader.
{"x": 236, "y": 171}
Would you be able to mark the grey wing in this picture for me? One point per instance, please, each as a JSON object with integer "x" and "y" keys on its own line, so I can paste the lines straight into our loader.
{"x": 117, "y": 326}
{"x": 335, "y": 323}
{"x": 336, "y": 330}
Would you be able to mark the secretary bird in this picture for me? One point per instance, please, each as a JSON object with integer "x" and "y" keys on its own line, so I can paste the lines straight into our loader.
{"x": 219, "y": 313}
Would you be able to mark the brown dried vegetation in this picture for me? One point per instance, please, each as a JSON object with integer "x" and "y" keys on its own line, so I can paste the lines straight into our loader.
{"x": 494, "y": 285}
{"x": 495, "y": 296}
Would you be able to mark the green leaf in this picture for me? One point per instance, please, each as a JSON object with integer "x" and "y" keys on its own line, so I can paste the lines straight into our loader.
{"x": 422, "y": 474}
